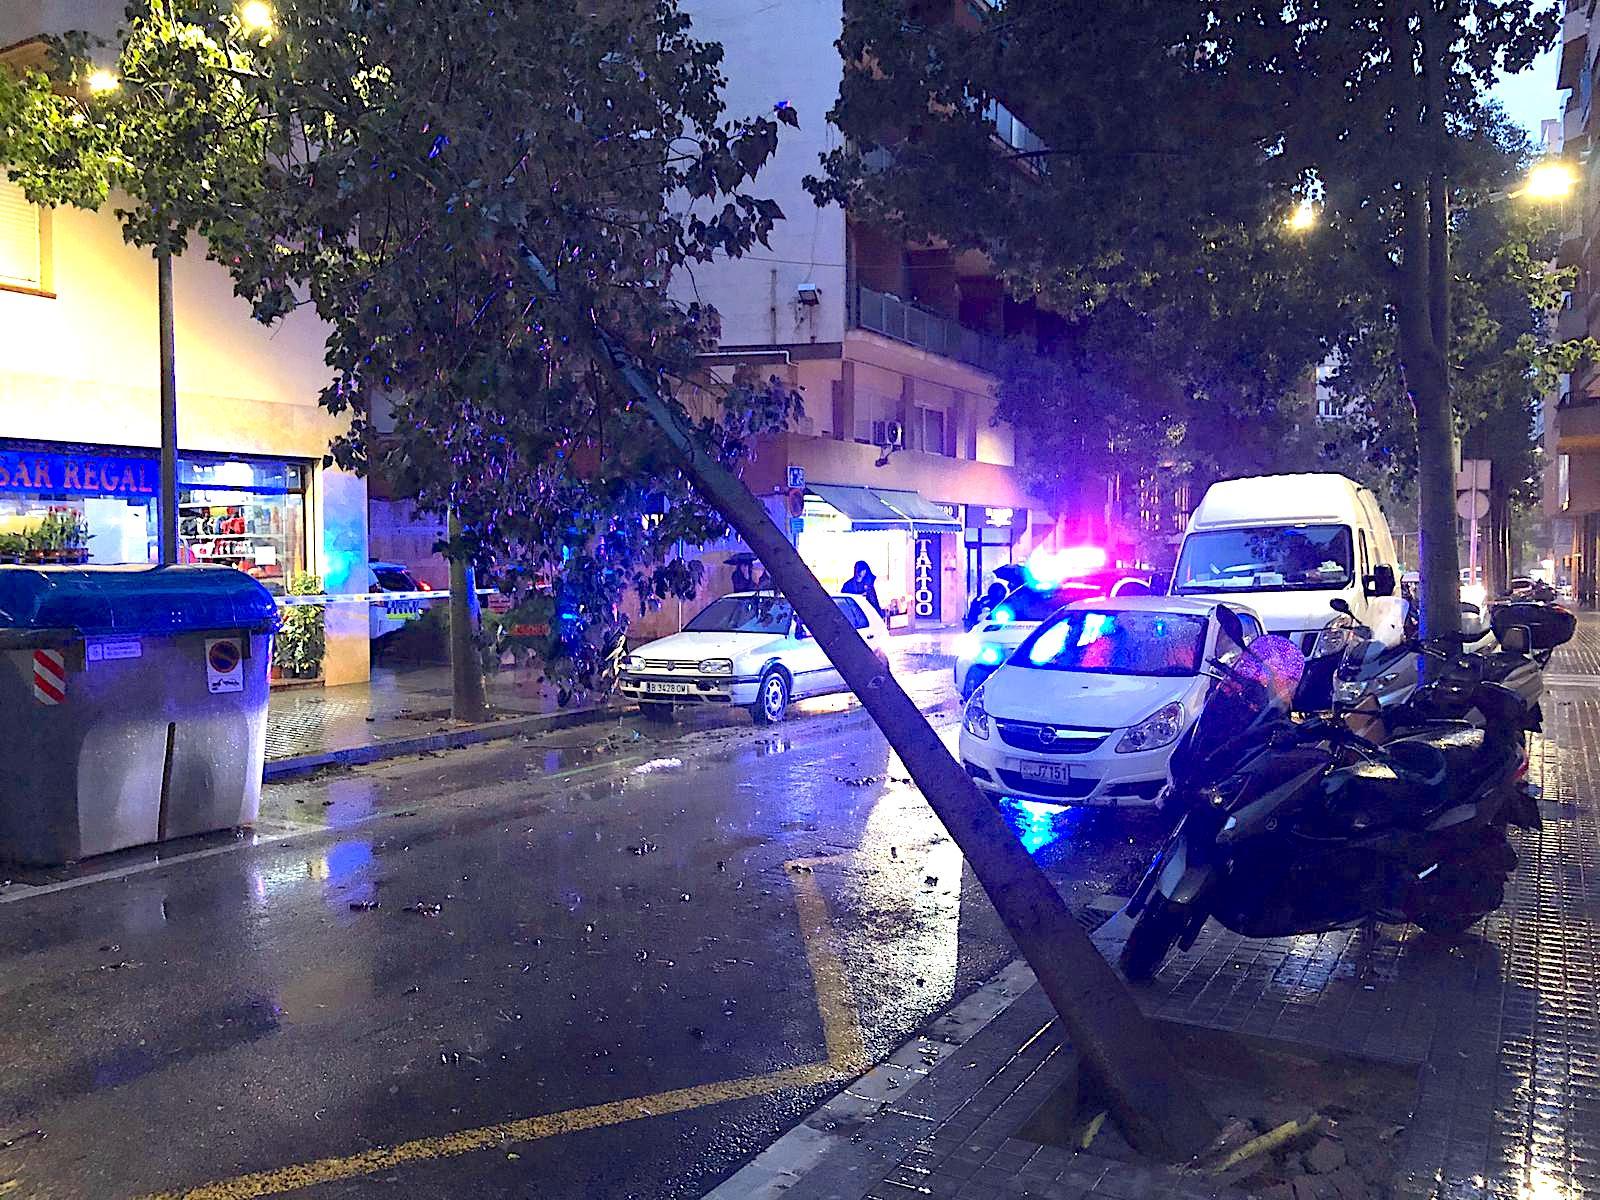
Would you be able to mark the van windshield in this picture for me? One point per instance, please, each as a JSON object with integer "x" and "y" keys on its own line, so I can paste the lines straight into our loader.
{"x": 1265, "y": 558}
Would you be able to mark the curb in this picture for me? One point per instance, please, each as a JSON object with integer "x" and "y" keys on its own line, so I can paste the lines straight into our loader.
{"x": 446, "y": 739}
{"x": 895, "y": 1092}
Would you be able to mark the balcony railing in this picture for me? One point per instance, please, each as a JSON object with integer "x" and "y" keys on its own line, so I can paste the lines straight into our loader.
{"x": 894, "y": 318}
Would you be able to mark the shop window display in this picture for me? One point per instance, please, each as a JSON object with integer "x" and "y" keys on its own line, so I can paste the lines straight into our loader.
{"x": 243, "y": 514}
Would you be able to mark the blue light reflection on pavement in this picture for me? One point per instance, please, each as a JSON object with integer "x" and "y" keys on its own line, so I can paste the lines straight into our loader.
{"x": 1038, "y": 825}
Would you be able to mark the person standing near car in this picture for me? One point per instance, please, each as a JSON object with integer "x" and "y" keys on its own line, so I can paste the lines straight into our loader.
{"x": 743, "y": 580}
{"x": 864, "y": 583}
{"x": 985, "y": 604}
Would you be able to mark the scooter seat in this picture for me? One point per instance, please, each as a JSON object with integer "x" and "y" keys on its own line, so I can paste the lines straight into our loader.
{"x": 1403, "y": 787}
{"x": 1461, "y": 744}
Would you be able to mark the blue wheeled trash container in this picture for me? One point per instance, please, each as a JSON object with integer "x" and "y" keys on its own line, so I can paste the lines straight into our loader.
{"x": 133, "y": 706}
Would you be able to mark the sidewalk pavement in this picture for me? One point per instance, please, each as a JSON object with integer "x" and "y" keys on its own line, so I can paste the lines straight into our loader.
{"x": 407, "y": 711}
{"x": 1501, "y": 1031}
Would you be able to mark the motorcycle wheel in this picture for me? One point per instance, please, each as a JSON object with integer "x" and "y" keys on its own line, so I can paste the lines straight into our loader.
{"x": 1157, "y": 930}
{"x": 1464, "y": 893}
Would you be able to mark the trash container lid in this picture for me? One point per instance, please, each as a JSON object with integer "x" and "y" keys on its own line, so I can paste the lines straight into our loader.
{"x": 132, "y": 601}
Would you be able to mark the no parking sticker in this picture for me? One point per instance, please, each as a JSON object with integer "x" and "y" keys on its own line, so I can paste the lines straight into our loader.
{"x": 224, "y": 665}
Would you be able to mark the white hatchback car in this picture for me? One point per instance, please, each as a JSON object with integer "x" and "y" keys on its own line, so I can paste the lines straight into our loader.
{"x": 1088, "y": 708}
{"x": 746, "y": 650}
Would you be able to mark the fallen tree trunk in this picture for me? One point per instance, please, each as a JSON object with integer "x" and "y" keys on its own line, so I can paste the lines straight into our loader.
{"x": 1151, "y": 1097}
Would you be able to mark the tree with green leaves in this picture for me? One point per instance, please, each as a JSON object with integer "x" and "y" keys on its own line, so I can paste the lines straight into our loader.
{"x": 162, "y": 132}
{"x": 1169, "y": 144}
{"x": 487, "y": 207}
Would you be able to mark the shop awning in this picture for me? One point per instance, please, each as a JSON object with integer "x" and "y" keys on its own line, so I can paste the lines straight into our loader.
{"x": 861, "y": 506}
{"x": 924, "y": 515}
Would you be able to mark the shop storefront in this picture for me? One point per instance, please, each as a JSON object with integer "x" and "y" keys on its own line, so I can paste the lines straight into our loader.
{"x": 905, "y": 538}
{"x": 80, "y": 503}
{"x": 991, "y": 538}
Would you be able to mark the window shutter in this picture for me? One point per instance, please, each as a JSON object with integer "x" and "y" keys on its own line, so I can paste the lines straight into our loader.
{"x": 20, "y": 263}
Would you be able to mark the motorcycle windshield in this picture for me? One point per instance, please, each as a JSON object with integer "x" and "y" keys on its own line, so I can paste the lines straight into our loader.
{"x": 1256, "y": 691}
{"x": 1365, "y": 658}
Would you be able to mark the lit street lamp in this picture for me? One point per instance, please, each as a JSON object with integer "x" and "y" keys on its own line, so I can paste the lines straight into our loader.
{"x": 1302, "y": 217}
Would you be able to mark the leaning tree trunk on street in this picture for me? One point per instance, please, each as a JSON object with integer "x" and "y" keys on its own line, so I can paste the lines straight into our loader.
{"x": 467, "y": 700}
{"x": 1151, "y": 1097}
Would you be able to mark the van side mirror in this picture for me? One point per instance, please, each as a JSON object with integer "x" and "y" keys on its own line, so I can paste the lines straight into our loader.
{"x": 1231, "y": 625}
{"x": 1381, "y": 582}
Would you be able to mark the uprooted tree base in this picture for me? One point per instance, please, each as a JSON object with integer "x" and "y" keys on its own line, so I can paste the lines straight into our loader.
{"x": 1298, "y": 1122}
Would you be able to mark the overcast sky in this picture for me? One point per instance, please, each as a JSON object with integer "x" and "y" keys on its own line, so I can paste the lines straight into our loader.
{"x": 1531, "y": 96}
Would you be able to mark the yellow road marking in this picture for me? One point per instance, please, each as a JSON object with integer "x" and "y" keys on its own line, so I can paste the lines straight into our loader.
{"x": 841, "y": 1027}
{"x": 841, "y": 1030}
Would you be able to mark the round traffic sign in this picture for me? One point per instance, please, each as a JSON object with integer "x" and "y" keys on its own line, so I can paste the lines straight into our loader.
{"x": 1472, "y": 506}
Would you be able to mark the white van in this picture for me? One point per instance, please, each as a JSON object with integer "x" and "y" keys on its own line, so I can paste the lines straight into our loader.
{"x": 1288, "y": 545}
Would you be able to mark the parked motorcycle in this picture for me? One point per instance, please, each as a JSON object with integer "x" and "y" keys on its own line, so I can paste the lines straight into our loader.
{"x": 1296, "y": 827}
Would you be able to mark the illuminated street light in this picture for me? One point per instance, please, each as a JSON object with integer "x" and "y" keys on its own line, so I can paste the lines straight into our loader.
{"x": 1303, "y": 217}
{"x": 256, "y": 15}
{"x": 101, "y": 81}
{"x": 1549, "y": 181}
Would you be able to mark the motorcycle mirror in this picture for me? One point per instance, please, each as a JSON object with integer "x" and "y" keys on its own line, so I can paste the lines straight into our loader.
{"x": 1340, "y": 604}
{"x": 1231, "y": 625}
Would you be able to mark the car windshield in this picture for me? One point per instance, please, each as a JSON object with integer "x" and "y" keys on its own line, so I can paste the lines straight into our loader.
{"x": 1117, "y": 643}
{"x": 1265, "y": 558}
{"x": 393, "y": 579}
{"x": 743, "y": 614}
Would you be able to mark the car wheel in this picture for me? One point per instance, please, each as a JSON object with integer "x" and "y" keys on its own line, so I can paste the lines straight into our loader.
{"x": 656, "y": 712}
{"x": 772, "y": 698}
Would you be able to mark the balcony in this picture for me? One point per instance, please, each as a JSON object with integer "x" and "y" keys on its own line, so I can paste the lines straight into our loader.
{"x": 1578, "y": 425}
{"x": 894, "y": 318}
{"x": 1574, "y": 136}
{"x": 1574, "y": 46}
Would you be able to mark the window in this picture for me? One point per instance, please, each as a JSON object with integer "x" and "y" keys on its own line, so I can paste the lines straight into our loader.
{"x": 1265, "y": 558}
{"x": 932, "y": 431}
{"x": 243, "y": 513}
{"x": 852, "y": 612}
{"x": 22, "y": 242}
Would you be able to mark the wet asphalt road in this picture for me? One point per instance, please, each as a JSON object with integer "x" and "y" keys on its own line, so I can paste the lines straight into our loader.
{"x": 616, "y": 919}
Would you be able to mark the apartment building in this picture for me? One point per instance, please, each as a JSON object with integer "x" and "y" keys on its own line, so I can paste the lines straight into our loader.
{"x": 79, "y": 396}
{"x": 1571, "y": 417}
{"x": 898, "y": 460}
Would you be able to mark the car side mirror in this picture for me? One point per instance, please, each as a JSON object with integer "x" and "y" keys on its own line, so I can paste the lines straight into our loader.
{"x": 1381, "y": 582}
{"x": 1231, "y": 625}
{"x": 801, "y": 632}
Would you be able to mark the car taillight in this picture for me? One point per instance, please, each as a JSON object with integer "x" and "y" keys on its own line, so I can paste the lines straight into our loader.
{"x": 424, "y": 586}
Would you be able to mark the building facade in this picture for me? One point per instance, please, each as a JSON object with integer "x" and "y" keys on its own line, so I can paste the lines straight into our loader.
{"x": 79, "y": 399}
{"x": 898, "y": 461}
{"x": 1571, "y": 433}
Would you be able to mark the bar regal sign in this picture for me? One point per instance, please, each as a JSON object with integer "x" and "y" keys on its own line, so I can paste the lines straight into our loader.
{"x": 66, "y": 474}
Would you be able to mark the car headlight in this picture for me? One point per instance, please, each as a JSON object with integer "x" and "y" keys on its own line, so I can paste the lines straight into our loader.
{"x": 717, "y": 666}
{"x": 1160, "y": 728}
{"x": 991, "y": 655}
{"x": 975, "y": 718}
{"x": 968, "y": 645}
{"x": 633, "y": 664}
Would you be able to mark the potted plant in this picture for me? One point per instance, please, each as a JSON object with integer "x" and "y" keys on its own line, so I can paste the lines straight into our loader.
{"x": 74, "y": 536}
{"x": 12, "y": 547}
{"x": 301, "y": 641}
{"x": 34, "y": 543}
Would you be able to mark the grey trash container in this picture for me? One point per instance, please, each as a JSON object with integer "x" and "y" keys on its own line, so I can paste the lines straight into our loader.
{"x": 134, "y": 703}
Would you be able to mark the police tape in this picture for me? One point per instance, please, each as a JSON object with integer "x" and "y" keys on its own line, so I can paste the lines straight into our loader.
{"x": 371, "y": 597}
